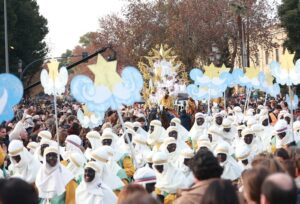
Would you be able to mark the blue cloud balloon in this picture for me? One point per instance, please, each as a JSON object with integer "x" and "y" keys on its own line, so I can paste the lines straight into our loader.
{"x": 11, "y": 93}
{"x": 99, "y": 98}
{"x": 294, "y": 103}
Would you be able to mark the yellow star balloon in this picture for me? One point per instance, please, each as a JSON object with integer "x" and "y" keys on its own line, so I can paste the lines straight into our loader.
{"x": 53, "y": 69}
{"x": 269, "y": 78}
{"x": 223, "y": 69}
{"x": 86, "y": 111}
{"x": 211, "y": 71}
{"x": 105, "y": 73}
{"x": 287, "y": 61}
{"x": 252, "y": 72}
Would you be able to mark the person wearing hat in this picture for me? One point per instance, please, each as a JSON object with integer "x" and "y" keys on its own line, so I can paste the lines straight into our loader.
{"x": 95, "y": 141}
{"x": 198, "y": 128}
{"x": 126, "y": 159}
{"x": 232, "y": 170}
{"x": 228, "y": 131}
{"x": 238, "y": 136}
{"x": 113, "y": 166}
{"x": 39, "y": 152}
{"x": 145, "y": 176}
{"x": 73, "y": 145}
{"x": 168, "y": 178}
{"x": 176, "y": 122}
{"x": 217, "y": 122}
{"x": 172, "y": 131}
{"x": 242, "y": 154}
{"x": 23, "y": 164}
{"x": 284, "y": 137}
{"x": 156, "y": 135}
{"x": 249, "y": 139}
{"x": 137, "y": 127}
{"x": 92, "y": 190}
{"x": 215, "y": 137}
{"x": 203, "y": 143}
{"x": 238, "y": 114}
{"x": 76, "y": 165}
{"x": 55, "y": 184}
{"x": 141, "y": 148}
{"x": 265, "y": 134}
{"x": 32, "y": 146}
{"x": 170, "y": 147}
{"x": 296, "y": 129}
{"x": 101, "y": 157}
{"x": 185, "y": 159}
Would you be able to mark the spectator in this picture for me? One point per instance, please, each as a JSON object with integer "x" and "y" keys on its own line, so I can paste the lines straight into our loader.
{"x": 129, "y": 190}
{"x": 279, "y": 188}
{"x": 220, "y": 191}
{"x": 139, "y": 198}
{"x": 17, "y": 191}
{"x": 252, "y": 181}
{"x": 281, "y": 154}
{"x": 206, "y": 169}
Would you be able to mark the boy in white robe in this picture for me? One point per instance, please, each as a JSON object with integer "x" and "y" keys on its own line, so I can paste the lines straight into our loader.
{"x": 92, "y": 190}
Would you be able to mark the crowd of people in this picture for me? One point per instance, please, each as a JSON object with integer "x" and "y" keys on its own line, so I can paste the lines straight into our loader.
{"x": 244, "y": 153}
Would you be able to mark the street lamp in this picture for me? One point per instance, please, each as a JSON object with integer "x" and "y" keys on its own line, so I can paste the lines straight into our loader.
{"x": 20, "y": 64}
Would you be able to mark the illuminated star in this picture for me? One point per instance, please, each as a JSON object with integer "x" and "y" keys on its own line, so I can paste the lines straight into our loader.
{"x": 105, "y": 73}
{"x": 53, "y": 69}
{"x": 287, "y": 61}
{"x": 252, "y": 72}
{"x": 211, "y": 71}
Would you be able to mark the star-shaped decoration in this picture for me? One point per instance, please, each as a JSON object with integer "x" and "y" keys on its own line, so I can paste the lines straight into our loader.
{"x": 53, "y": 69}
{"x": 252, "y": 72}
{"x": 105, "y": 73}
{"x": 86, "y": 111}
{"x": 223, "y": 69}
{"x": 269, "y": 78}
{"x": 287, "y": 61}
{"x": 211, "y": 71}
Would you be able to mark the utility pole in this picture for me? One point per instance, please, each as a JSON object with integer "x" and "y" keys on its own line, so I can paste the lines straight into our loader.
{"x": 6, "y": 39}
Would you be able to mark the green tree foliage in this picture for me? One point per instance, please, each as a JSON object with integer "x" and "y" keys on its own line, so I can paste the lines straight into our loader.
{"x": 289, "y": 13}
{"x": 26, "y": 32}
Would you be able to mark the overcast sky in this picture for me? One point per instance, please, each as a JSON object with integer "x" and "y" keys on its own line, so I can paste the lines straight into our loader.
{"x": 70, "y": 19}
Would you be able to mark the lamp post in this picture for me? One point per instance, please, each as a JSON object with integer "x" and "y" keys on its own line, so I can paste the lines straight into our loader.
{"x": 6, "y": 39}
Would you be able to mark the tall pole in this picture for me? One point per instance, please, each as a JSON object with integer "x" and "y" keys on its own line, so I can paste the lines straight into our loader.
{"x": 6, "y": 40}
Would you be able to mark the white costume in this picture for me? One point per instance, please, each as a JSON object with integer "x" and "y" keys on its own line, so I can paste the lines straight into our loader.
{"x": 95, "y": 141}
{"x": 180, "y": 140}
{"x": 171, "y": 179}
{"x": 180, "y": 129}
{"x": 281, "y": 126}
{"x": 139, "y": 130}
{"x": 255, "y": 146}
{"x": 27, "y": 167}
{"x": 76, "y": 165}
{"x": 186, "y": 154}
{"x": 242, "y": 153}
{"x": 197, "y": 130}
{"x": 94, "y": 192}
{"x": 156, "y": 137}
{"x": 232, "y": 170}
{"x": 101, "y": 157}
{"x": 52, "y": 181}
